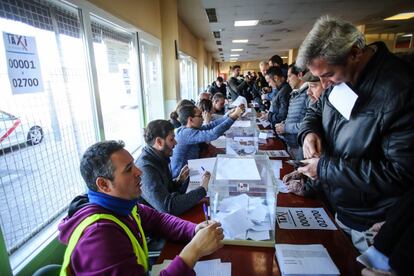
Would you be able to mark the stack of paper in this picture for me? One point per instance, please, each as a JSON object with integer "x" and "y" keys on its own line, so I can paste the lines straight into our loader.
{"x": 311, "y": 259}
{"x": 196, "y": 167}
{"x": 202, "y": 268}
{"x": 243, "y": 217}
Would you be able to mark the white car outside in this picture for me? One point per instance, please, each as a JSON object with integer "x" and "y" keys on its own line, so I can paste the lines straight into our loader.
{"x": 14, "y": 131}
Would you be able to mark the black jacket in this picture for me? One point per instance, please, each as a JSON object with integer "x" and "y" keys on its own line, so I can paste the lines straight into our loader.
{"x": 237, "y": 88}
{"x": 215, "y": 89}
{"x": 159, "y": 189}
{"x": 395, "y": 239}
{"x": 368, "y": 162}
{"x": 280, "y": 105}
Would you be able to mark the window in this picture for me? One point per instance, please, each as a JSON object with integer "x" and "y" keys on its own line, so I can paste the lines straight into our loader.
{"x": 80, "y": 95}
{"x": 50, "y": 127}
{"x": 118, "y": 82}
{"x": 188, "y": 77}
{"x": 152, "y": 77}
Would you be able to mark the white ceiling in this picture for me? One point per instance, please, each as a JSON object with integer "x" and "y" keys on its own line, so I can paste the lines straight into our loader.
{"x": 296, "y": 16}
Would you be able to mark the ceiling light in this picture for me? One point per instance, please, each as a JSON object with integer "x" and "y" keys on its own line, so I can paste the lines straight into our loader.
{"x": 233, "y": 60}
{"x": 408, "y": 35}
{"x": 284, "y": 57}
{"x": 401, "y": 16}
{"x": 236, "y": 50}
{"x": 234, "y": 55}
{"x": 240, "y": 41}
{"x": 244, "y": 23}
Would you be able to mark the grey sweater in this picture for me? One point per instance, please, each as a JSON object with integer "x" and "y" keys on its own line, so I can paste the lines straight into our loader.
{"x": 159, "y": 189}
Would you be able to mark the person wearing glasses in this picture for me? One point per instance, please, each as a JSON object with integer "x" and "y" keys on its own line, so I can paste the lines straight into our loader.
{"x": 192, "y": 133}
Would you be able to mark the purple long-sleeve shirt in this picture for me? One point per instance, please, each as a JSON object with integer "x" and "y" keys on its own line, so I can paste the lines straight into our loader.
{"x": 105, "y": 249}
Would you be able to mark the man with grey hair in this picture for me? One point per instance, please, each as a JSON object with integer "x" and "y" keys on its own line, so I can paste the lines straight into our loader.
{"x": 363, "y": 160}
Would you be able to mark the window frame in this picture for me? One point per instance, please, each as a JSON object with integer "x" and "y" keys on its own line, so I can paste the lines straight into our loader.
{"x": 45, "y": 246}
{"x": 143, "y": 36}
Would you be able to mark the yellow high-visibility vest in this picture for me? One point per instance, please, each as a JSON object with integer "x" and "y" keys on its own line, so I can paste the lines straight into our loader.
{"x": 140, "y": 253}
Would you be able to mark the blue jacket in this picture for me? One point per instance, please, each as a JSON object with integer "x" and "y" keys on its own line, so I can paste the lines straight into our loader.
{"x": 279, "y": 105}
{"x": 188, "y": 140}
{"x": 296, "y": 113}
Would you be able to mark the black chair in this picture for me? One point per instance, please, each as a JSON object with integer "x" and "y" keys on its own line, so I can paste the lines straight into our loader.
{"x": 48, "y": 270}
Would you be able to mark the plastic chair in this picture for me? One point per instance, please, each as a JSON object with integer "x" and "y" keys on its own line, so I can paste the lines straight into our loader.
{"x": 48, "y": 270}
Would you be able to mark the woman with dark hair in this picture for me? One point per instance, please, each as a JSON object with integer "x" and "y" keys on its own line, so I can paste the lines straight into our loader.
{"x": 206, "y": 107}
{"x": 174, "y": 115}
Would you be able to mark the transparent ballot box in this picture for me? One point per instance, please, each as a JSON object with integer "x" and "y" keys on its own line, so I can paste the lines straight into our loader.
{"x": 250, "y": 113}
{"x": 243, "y": 194}
{"x": 242, "y": 140}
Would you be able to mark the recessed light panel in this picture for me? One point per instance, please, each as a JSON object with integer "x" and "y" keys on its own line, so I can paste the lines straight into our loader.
{"x": 240, "y": 41}
{"x": 401, "y": 16}
{"x": 236, "y": 50}
{"x": 245, "y": 23}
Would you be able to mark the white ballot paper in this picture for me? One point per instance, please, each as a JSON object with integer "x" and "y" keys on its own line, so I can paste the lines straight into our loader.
{"x": 220, "y": 142}
{"x": 196, "y": 167}
{"x": 196, "y": 171}
{"x": 282, "y": 188}
{"x": 244, "y": 217}
{"x": 343, "y": 99}
{"x": 238, "y": 101}
{"x": 372, "y": 258}
{"x": 240, "y": 123}
{"x": 262, "y": 137}
{"x": 237, "y": 169}
{"x": 276, "y": 166}
{"x": 309, "y": 259}
{"x": 212, "y": 267}
{"x": 303, "y": 218}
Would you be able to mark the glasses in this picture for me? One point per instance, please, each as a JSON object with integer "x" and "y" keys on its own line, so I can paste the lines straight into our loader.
{"x": 200, "y": 116}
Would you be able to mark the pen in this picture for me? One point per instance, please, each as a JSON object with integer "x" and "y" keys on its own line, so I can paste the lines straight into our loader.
{"x": 203, "y": 168}
{"x": 205, "y": 212}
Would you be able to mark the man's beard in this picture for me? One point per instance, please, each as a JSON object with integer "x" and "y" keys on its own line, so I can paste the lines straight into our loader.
{"x": 166, "y": 151}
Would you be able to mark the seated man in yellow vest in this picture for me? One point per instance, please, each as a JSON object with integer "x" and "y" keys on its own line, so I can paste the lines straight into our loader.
{"x": 105, "y": 230}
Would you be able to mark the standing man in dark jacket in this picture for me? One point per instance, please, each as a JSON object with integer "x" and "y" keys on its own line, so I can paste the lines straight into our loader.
{"x": 159, "y": 189}
{"x": 364, "y": 163}
{"x": 218, "y": 86}
{"x": 236, "y": 87}
{"x": 280, "y": 102}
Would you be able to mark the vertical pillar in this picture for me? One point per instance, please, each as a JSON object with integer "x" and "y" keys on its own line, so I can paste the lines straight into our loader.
{"x": 170, "y": 61}
{"x": 292, "y": 55}
{"x": 200, "y": 64}
{"x": 361, "y": 28}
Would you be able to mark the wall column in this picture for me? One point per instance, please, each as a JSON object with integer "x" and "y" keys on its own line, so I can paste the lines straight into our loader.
{"x": 200, "y": 65}
{"x": 170, "y": 65}
{"x": 361, "y": 28}
{"x": 292, "y": 55}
